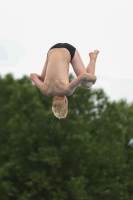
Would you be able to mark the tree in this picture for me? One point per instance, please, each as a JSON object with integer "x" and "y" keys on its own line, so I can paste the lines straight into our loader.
{"x": 87, "y": 156}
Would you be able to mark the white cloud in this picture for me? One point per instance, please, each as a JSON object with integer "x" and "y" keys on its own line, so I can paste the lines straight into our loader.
{"x": 10, "y": 52}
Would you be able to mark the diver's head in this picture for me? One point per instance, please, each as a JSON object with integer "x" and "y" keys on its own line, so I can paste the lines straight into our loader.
{"x": 60, "y": 106}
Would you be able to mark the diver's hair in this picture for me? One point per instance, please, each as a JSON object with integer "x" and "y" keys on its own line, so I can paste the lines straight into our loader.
{"x": 59, "y": 108}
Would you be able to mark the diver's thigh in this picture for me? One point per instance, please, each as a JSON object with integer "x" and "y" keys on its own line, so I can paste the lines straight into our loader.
{"x": 77, "y": 64}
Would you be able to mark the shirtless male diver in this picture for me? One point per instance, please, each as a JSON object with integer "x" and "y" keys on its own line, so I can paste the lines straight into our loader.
{"x": 54, "y": 79}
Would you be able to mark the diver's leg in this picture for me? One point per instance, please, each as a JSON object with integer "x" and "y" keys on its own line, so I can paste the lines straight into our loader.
{"x": 77, "y": 64}
{"x": 91, "y": 66}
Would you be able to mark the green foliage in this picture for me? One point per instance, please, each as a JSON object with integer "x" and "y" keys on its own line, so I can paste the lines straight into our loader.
{"x": 87, "y": 156}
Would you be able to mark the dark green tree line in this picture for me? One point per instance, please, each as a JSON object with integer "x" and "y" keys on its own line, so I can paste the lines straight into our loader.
{"x": 87, "y": 156}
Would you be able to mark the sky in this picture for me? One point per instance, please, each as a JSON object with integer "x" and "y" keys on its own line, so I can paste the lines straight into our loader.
{"x": 28, "y": 28}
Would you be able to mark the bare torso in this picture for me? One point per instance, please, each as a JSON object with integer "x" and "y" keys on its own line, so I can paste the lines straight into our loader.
{"x": 54, "y": 79}
{"x": 57, "y": 72}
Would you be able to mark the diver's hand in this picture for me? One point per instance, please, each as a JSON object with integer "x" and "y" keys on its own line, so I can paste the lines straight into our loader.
{"x": 88, "y": 80}
{"x": 39, "y": 76}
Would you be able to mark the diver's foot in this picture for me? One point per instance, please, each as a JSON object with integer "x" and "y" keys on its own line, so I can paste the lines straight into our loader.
{"x": 93, "y": 55}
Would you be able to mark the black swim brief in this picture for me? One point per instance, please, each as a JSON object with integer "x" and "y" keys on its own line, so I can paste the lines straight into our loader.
{"x": 69, "y": 47}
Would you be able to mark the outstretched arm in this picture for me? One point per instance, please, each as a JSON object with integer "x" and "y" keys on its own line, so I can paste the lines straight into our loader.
{"x": 42, "y": 77}
{"x": 36, "y": 79}
{"x": 74, "y": 84}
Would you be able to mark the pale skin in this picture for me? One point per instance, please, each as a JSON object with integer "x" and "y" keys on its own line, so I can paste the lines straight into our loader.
{"x": 54, "y": 79}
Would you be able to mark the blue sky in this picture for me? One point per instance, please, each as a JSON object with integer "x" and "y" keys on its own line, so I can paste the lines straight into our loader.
{"x": 30, "y": 27}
